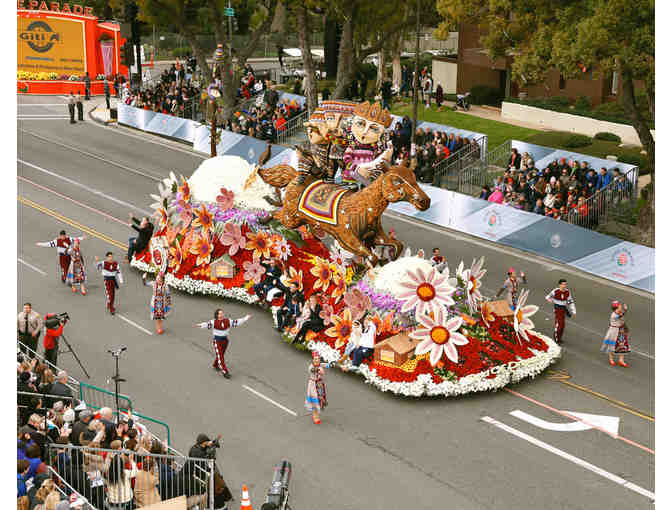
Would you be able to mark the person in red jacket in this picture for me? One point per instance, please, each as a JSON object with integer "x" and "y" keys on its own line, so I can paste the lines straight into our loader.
{"x": 52, "y": 334}
{"x": 61, "y": 243}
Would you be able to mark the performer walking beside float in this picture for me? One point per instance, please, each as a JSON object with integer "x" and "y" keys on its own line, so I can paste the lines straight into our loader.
{"x": 112, "y": 277}
{"x": 563, "y": 305}
{"x": 316, "y": 394}
{"x": 161, "y": 303}
{"x": 77, "y": 269}
{"x": 512, "y": 287}
{"x": 220, "y": 327}
{"x": 617, "y": 339}
{"x": 62, "y": 243}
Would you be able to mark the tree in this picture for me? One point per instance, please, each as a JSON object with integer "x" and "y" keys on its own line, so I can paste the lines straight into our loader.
{"x": 604, "y": 36}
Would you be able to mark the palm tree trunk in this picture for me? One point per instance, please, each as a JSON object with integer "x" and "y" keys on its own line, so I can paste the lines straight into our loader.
{"x": 304, "y": 29}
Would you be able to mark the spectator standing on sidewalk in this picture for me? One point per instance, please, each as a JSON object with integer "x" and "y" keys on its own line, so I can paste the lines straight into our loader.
{"x": 439, "y": 95}
{"x": 71, "y": 107}
{"x": 80, "y": 107}
{"x": 106, "y": 90}
{"x": 87, "y": 86}
{"x": 29, "y": 327}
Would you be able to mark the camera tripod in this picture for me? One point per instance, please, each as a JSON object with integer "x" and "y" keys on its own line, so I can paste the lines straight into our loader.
{"x": 74, "y": 354}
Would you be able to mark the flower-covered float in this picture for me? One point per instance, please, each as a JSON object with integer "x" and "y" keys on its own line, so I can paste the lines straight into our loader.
{"x": 436, "y": 335}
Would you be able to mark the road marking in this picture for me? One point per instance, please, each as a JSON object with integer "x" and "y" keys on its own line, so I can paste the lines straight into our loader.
{"x": 36, "y": 269}
{"x": 134, "y": 324}
{"x": 72, "y": 200}
{"x": 145, "y": 173}
{"x": 71, "y": 222}
{"x": 260, "y": 395}
{"x": 579, "y": 462}
{"x": 577, "y": 418}
{"x": 90, "y": 190}
{"x": 536, "y": 259}
{"x": 609, "y": 423}
{"x": 42, "y": 118}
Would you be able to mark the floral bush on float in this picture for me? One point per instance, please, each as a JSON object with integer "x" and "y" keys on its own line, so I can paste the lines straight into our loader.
{"x": 435, "y": 333}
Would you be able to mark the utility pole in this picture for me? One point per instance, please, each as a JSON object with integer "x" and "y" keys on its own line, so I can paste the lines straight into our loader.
{"x": 416, "y": 78}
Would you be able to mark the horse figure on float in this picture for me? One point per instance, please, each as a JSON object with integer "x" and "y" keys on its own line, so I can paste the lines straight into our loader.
{"x": 354, "y": 217}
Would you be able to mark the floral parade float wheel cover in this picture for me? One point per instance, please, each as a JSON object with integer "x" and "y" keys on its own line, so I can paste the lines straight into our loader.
{"x": 436, "y": 333}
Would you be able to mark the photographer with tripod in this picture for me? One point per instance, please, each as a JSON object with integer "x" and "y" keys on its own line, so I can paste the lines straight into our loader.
{"x": 54, "y": 324}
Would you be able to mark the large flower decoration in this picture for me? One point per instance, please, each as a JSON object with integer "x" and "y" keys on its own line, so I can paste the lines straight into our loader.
{"x": 259, "y": 243}
{"x": 184, "y": 190}
{"x": 225, "y": 200}
{"x": 438, "y": 336}
{"x": 254, "y": 271}
{"x": 384, "y": 325}
{"x": 322, "y": 272}
{"x": 202, "y": 248}
{"x": 305, "y": 232}
{"x": 459, "y": 275}
{"x": 294, "y": 276}
{"x": 233, "y": 237}
{"x": 426, "y": 292}
{"x": 472, "y": 279}
{"x": 521, "y": 317}
{"x": 358, "y": 303}
{"x": 342, "y": 327}
{"x": 175, "y": 258}
{"x": 339, "y": 287}
{"x": 203, "y": 218}
{"x": 162, "y": 216}
{"x": 337, "y": 258}
{"x": 326, "y": 313}
{"x": 282, "y": 248}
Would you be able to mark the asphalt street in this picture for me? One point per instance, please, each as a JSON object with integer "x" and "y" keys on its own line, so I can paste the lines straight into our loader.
{"x": 373, "y": 450}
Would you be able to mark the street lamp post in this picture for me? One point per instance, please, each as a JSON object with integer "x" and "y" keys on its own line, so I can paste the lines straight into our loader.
{"x": 416, "y": 77}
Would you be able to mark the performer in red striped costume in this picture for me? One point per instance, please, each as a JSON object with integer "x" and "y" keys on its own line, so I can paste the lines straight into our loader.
{"x": 112, "y": 277}
{"x": 62, "y": 243}
{"x": 563, "y": 303}
{"x": 220, "y": 326}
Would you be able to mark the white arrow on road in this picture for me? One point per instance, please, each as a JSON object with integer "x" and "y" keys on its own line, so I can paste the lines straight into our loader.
{"x": 587, "y": 422}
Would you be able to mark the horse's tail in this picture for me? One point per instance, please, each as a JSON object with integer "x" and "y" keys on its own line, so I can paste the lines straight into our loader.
{"x": 277, "y": 176}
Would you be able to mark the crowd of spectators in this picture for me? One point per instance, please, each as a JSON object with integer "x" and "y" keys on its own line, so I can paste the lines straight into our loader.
{"x": 50, "y": 417}
{"x": 562, "y": 189}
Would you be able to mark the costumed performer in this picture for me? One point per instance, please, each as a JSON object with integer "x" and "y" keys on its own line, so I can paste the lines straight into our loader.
{"x": 512, "y": 287}
{"x": 563, "y": 305}
{"x": 314, "y": 156}
{"x": 316, "y": 394}
{"x": 61, "y": 243}
{"x": 366, "y": 157}
{"x": 438, "y": 261}
{"x": 617, "y": 339}
{"x": 77, "y": 269}
{"x": 112, "y": 278}
{"x": 161, "y": 303}
{"x": 220, "y": 327}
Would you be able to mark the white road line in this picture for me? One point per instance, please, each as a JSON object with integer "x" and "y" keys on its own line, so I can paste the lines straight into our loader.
{"x": 134, "y": 324}
{"x": 580, "y": 462}
{"x": 530, "y": 258}
{"x": 90, "y": 190}
{"x": 42, "y": 118}
{"x": 269, "y": 400}
{"x": 149, "y": 175}
{"x": 36, "y": 269}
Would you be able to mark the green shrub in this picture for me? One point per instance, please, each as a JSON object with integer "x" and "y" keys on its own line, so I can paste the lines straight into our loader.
{"x": 582, "y": 103}
{"x": 182, "y": 51}
{"x": 609, "y": 137}
{"x": 576, "y": 141}
{"x": 485, "y": 94}
{"x": 555, "y": 102}
{"x": 638, "y": 160}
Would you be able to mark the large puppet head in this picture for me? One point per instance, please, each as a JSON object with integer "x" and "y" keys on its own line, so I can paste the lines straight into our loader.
{"x": 337, "y": 115}
{"x": 369, "y": 122}
{"x": 316, "y": 127}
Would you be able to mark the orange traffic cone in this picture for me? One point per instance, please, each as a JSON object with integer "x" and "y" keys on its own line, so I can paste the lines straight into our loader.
{"x": 245, "y": 503}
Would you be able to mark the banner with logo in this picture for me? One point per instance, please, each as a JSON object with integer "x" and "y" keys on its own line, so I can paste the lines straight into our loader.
{"x": 134, "y": 117}
{"x": 51, "y": 45}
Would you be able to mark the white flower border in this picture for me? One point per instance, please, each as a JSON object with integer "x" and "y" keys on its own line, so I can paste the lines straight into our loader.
{"x": 423, "y": 386}
{"x": 505, "y": 374}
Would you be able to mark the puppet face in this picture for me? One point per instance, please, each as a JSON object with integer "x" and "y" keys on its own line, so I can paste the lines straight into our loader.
{"x": 366, "y": 131}
{"x": 316, "y": 135}
{"x": 333, "y": 121}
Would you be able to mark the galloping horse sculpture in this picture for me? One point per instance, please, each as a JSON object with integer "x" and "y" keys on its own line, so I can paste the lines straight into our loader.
{"x": 353, "y": 218}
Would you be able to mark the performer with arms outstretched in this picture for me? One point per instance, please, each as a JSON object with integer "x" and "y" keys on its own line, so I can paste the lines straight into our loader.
{"x": 220, "y": 327}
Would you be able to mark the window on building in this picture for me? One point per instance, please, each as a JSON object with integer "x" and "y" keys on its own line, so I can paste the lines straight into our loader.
{"x": 562, "y": 84}
{"x": 614, "y": 83}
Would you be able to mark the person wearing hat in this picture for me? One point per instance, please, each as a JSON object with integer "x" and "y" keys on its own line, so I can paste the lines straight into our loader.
{"x": 512, "y": 287}
{"x": 29, "y": 326}
{"x": 617, "y": 338}
{"x": 80, "y": 427}
{"x": 316, "y": 393}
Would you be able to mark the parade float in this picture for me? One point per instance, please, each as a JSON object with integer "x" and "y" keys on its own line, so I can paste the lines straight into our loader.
{"x": 436, "y": 334}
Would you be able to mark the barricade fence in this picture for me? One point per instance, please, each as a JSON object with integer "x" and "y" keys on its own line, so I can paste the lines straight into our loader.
{"x": 446, "y": 173}
{"x": 97, "y": 398}
{"x": 101, "y": 476}
{"x": 66, "y": 489}
{"x": 292, "y": 128}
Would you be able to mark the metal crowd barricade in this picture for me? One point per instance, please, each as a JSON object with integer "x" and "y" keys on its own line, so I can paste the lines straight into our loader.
{"x": 292, "y": 128}
{"x": 473, "y": 176}
{"x": 97, "y": 398}
{"x": 66, "y": 489}
{"x": 446, "y": 173}
{"x": 157, "y": 476}
{"x": 72, "y": 383}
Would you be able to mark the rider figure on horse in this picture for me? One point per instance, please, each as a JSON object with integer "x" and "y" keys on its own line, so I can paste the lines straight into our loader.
{"x": 314, "y": 156}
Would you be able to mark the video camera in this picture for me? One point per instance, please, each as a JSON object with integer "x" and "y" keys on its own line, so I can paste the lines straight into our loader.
{"x": 54, "y": 320}
{"x": 277, "y": 496}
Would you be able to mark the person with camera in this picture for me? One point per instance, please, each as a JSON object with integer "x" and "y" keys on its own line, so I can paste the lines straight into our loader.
{"x": 62, "y": 243}
{"x": 29, "y": 326}
{"x": 54, "y": 324}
